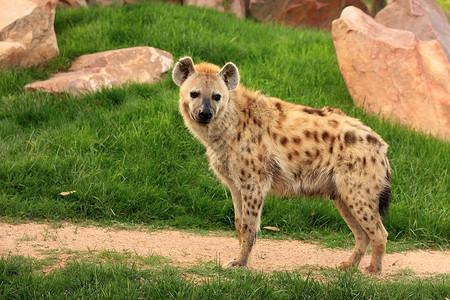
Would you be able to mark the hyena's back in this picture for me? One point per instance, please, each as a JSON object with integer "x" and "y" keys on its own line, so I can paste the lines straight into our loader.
{"x": 319, "y": 151}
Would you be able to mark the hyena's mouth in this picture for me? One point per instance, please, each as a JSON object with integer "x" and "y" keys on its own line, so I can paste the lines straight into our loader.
{"x": 204, "y": 117}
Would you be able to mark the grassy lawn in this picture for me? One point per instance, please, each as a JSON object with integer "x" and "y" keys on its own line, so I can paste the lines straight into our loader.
{"x": 109, "y": 275}
{"x": 126, "y": 153}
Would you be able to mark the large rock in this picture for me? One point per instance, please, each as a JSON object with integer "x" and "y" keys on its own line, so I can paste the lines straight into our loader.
{"x": 388, "y": 71}
{"x": 27, "y": 26}
{"x": 305, "y": 13}
{"x": 92, "y": 72}
{"x": 424, "y": 18}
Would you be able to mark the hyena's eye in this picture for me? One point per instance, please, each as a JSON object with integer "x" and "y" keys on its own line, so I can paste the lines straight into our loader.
{"x": 194, "y": 94}
{"x": 216, "y": 97}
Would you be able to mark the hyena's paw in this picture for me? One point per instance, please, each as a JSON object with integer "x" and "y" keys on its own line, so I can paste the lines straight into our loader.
{"x": 345, "y": 265}
{"x": 371, "y": 269}
{"x": 234, "y": 263}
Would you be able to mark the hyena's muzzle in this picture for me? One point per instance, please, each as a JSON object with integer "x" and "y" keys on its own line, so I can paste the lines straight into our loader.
{"x": 205, "y": 113}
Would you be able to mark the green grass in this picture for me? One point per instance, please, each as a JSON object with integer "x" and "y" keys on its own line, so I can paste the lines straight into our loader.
{"x": 112, "y": 276}
{"x": 128, "y": 156}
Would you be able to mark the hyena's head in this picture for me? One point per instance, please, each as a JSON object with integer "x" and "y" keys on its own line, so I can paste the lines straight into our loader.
{"x": 204, "y": 88}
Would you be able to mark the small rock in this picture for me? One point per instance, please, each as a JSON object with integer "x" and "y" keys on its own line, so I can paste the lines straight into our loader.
{"x": 388, "y": 71}
{"x": 29, "y": 23}
{"x": 92, "y": 72}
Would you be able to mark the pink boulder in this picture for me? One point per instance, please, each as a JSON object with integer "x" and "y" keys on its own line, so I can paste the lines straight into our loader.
{"x": 92, "y": 72}
{"x": 388, "y": 71}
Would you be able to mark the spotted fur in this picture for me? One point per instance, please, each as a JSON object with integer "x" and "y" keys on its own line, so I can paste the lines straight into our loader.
{"x": 258, "y": 145}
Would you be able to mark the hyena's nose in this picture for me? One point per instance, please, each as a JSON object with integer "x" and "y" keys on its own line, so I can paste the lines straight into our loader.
{"x": 205, "y": 115}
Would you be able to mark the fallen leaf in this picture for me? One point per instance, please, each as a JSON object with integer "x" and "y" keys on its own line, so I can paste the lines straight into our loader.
{"x": 67, "y": 193}
{"x": 271, "y": 228}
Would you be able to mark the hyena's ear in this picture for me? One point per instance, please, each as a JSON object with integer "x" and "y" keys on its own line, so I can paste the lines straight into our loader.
{"x": 183, "y": 69}
{"x": 230, "y": 74}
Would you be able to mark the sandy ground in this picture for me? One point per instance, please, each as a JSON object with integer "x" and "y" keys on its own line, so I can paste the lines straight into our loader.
{"x": 41, "y": 240}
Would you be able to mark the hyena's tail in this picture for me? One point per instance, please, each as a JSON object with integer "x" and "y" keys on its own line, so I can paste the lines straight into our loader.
{"x": 385, "y": 196}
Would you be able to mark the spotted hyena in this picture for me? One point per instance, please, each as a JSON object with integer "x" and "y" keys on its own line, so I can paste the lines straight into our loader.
{"x": 258, "y": 144}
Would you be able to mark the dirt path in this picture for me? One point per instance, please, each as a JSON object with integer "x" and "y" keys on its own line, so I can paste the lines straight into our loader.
{"x": 40, "y": 240}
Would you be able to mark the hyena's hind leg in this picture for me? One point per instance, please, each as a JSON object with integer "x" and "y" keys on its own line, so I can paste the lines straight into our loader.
{"x": 361, "y": 237}
{"x": 364, "y": 199}
{"x": 365, "y": 211}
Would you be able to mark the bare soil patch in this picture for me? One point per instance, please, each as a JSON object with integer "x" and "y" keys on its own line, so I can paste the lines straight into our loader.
{"x": 184, "y": 249}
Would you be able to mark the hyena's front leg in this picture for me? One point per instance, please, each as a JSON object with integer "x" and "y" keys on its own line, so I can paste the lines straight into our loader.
{"x": 252, "y": 200}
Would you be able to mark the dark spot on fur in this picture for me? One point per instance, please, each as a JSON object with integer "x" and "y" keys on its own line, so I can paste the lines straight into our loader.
{"x": 365, "y": 218}
{"x": 351, "y": 206}
{"x": 325, "y": 135}
{"x": 371, "y": 139}
{"x": 296, "y": 153}
{"x": 254, "y": 213}
{"x": 313, "y": 111}
{"x": 242, "y": 172}
{"x": 349, "y": 138}
{"x": 289, "y": 156}
{"x": 296, "y": 140}
{"x": 248, "y": 212}
{"x": 283, "y": 140}
{"x": 316, "y": 136}
{"x": 364, "y": 161}
{"x": 307, "y": 153}
{"x": 259, "y": 138}
{"x": 278, "y": 106}
{"x": 331, "y": 149}
{"x": 239, "y": 136}
{"x": 260, "y": 157}
{"x": 374, "y": 160}
{"x": 307, "y": 133}
{"x": 341, "y": 147}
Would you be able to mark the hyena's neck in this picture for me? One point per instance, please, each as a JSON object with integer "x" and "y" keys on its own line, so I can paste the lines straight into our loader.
{"x": 223, "y": 129}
